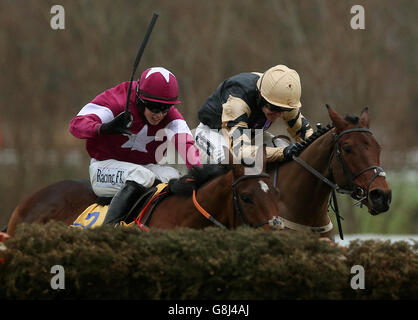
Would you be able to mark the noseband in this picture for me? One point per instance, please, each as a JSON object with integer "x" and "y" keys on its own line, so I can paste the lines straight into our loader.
{"x": 237, "y": 208}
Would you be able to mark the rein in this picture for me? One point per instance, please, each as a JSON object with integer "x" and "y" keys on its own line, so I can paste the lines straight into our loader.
{"x": 237, "y": 208}
{"x": 206, "y": 214}
{"x": 355, "y": 191}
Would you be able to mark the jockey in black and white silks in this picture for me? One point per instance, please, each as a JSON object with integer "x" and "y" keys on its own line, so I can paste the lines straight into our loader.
{"x": 252, "y": 101}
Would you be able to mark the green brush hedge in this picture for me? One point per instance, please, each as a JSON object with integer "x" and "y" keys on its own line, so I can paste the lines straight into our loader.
{"x": 107, "y": 263}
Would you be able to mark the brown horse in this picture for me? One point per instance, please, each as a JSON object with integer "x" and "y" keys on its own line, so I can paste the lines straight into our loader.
{"x": 223, "y": 195}
{"x": 342, "y": 158}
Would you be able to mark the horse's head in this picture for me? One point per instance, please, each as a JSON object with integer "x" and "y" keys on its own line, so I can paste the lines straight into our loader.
{"x": 255, "y": 198}
{"x": 356, "y": 161}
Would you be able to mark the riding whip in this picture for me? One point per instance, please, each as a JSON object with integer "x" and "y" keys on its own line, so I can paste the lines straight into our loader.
{"x": 138, "y": 57}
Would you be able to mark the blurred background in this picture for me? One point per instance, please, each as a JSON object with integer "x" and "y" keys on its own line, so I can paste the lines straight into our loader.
{"x": 48, "y": 75}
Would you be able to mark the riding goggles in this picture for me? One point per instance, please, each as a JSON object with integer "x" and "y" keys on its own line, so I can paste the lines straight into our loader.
{"x": 276, "y": 109}
{"x": 156, "y": 107}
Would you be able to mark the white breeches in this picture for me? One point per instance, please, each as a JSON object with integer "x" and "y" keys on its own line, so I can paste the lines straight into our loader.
{"x": 109, "y": 176}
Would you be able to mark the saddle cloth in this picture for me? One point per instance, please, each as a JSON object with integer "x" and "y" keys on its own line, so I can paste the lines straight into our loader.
{"x": 95, "y": 214}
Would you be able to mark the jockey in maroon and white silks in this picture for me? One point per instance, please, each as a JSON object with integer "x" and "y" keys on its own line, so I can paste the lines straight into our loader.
{"x": 123, "y": 159}
{"x": 140, "y": 147}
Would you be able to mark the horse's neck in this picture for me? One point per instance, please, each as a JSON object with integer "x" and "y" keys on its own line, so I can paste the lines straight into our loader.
{"x": 305, "y": 197}
{"x": 214, "y": 196}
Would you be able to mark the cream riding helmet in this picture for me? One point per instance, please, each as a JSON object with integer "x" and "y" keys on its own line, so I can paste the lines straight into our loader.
{"x": 280, "y": 86}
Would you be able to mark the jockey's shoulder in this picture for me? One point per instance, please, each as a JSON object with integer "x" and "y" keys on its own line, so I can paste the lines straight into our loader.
{"x": 113, "y": 98}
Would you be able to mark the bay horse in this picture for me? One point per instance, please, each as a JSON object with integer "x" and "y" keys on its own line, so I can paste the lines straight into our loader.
{"x": 222, "y": 194}
{"x": 342, "y": 157}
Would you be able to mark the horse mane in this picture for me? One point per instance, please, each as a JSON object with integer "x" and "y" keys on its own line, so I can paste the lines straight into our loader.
{"x": 196, "y": 177}
{"x": 318, "y": 133}
{"x": 322, "y": 130}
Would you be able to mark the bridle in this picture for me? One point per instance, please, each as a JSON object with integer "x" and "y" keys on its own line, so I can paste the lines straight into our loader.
{"x": 237, "y": 207}
{"x": 356, "y": 192}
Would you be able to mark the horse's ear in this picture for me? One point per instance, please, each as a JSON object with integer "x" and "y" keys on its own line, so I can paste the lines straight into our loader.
{"x": 364, "y": 118}
{"x": 339, "y": 123}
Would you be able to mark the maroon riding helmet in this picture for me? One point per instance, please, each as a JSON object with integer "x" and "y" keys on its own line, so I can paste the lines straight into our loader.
{"x": 157, "y": 85}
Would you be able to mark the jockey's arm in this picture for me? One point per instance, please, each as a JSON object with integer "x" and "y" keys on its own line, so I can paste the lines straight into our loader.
{"x": 235, "y": 116}
{"x": 242, "y": 147}
{"x": 178, "y": 132}
{"x": 298, "y": 126}
{"x": 299, "y": 129}
{"x": 185, "y": 146}
{"x": 88, "y": 121}
{"x": 84, "y": 127}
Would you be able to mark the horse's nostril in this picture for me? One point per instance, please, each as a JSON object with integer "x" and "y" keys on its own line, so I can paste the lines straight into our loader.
{"x": 377, "y": 195}
{"x": 380, "y": 198}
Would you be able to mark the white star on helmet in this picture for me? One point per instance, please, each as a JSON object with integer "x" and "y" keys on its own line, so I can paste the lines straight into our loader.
{"x": 165, "y": 73}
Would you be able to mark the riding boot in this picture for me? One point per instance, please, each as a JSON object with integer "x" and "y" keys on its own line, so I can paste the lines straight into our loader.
{"x": 123, "y": 201}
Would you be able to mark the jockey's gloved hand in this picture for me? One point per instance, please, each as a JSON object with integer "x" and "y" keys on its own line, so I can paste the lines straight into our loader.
{"x": 120, "y": 124}
{"x": 293, "y": 149}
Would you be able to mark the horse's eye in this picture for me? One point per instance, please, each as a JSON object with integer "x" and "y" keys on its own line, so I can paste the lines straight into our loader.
{"x": 347, "y": 148}
{"x": 246, "y": 198}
